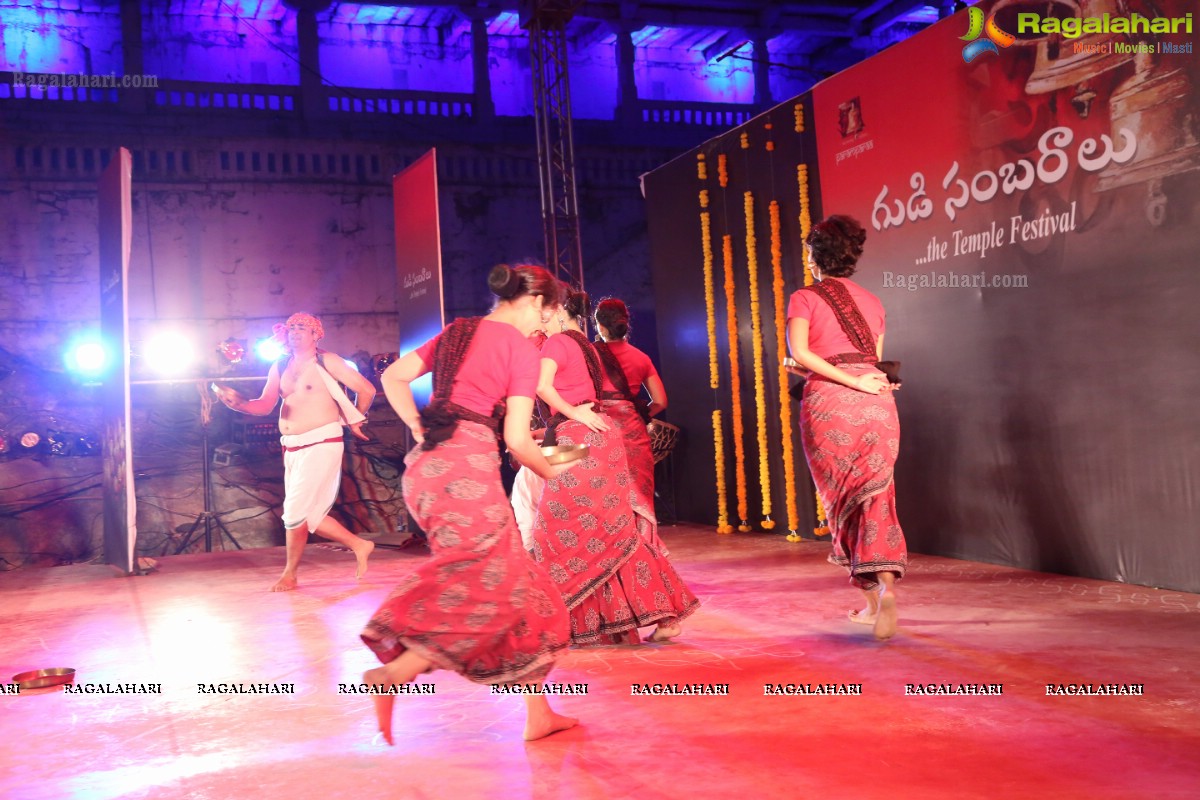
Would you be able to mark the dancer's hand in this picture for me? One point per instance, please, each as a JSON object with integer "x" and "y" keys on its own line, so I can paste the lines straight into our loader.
{"x": 584, "y": 413}
{"x": 357, "y": 431}
{"x": 230, "y": 397}
{"x": 871, "y": 382}
{"x": 417, "y": 431}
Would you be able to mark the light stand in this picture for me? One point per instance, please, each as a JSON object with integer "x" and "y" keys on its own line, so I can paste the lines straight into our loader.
{"x": 206, "y": 519}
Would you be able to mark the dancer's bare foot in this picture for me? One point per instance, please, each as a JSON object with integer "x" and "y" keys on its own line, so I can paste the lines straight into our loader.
{"x": 383, "y": 702}
{"x": 539, "y": 726}
{"x": 361, "y": 552}
{"x": 868, "y": 615}
{"x": 285, "y": 583}
{"x": 665, "y": 631}
{"x": 887, "y": 619}
{"x": 864, "y": 617}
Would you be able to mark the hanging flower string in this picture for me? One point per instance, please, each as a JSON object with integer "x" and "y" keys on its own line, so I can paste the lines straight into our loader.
{"x": 710, "y": 303}
{"x": 735, "y": 385}
{"x": 798, "y": 113}
{"x": 722, "y": 172}
{"x": 822, "y": 526}
{"x": 714, "y": 380}
{"x": 785, "y": 405}
{"x": 723, "y": 525}
{"x": 760, "y": 392}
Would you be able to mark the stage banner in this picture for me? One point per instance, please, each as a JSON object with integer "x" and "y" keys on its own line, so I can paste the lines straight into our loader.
{"x": 1029, "y": 178}
{"x": 116, "y": 236}
{"x": 419, "y": 302}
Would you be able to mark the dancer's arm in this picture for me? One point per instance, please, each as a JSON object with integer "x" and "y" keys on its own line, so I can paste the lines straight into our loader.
{"x": 658, "y": 395}
{"x": 364, "y": 392}
{"x": 519, "y": 438}
{"x": 580, "y": 413}
{"x": 870, "y": 382}
{"x": 397, "y": 387}
{"x": 260, "y": 406}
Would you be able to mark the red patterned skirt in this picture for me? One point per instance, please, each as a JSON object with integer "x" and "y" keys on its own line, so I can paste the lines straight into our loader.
{"x": 479, "y": 606}
{"x": 596, "y": 537}
{"x": 851, "y": 440}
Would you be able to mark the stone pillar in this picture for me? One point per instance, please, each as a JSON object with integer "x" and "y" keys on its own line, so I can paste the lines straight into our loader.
{"x": 133, "y": 58}
{"x": 628, "y": 112}
{"x": 485, "y": 107}
{"x": 312, "y": 98}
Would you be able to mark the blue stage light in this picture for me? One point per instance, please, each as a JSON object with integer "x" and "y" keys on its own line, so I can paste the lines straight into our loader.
{"x": 269, "y": 349}
{"x": 87, "y": 356}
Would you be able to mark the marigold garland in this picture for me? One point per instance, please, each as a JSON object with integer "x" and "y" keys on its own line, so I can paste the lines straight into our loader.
{"x": 723, "y": 525}
{"x": 785, "y": 405}
{"x": 722, "y": 171}
{"x": 714, "y": 376}
{"x": 821, "y": 528}
{"x": 701, "y": 167}
{"x": 760, "y": 393}
{"x": 798, "y": 112}
{"x": 735, "y": 385}
{"x": 745, "y": 139}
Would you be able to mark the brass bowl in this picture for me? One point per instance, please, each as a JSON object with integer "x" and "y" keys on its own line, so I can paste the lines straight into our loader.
{"x": 565, "y": 453}
{"x": 41, "y": 678}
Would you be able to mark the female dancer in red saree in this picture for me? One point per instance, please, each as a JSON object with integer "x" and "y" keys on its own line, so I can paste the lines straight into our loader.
{"x": 594, "y": 531}
{"x": 625, "y": 371}
{"x": 479, "y": 606}
{"x": 848, "y": 419}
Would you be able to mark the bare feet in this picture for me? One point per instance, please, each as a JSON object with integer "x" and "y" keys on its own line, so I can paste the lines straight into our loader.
{"x": 665, "y": 631}
{"x": 887, "y": 619}
{"x": 383, "y": 702}
{"x": 361, "y": 552}
{"x": 285, "y": 583}
{"x": 539, "y": 726}
{"x": 868, "y": 615}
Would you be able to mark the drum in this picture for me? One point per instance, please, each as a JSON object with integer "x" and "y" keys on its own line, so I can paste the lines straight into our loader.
{"x": 663, "y": 436}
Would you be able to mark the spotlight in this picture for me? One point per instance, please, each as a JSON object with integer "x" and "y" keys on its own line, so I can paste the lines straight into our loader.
{"x": 169, "y": 353}
{"x": 3, "y": 443}
{"x": 87, "y": 357}
{"x": 30, "y": 440}
{"x": 269, "y": 349}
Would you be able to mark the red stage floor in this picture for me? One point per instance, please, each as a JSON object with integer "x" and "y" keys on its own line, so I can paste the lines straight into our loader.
{"x": 773, "y": 613}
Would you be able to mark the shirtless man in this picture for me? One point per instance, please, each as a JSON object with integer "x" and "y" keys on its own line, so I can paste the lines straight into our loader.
{"x": 311, "y": 423}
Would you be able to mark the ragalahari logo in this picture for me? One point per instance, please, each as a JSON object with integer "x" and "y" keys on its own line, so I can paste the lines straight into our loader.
{"x": 977, "y": 27}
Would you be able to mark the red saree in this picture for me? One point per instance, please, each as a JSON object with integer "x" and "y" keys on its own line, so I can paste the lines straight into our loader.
{"x": 593, "y": 533}
{"x": 851, "y": 440}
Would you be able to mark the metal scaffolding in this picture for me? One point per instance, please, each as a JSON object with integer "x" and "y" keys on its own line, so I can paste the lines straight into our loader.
{"x": 546, "y": 21}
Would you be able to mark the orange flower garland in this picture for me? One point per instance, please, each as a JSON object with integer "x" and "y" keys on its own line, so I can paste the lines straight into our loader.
{"x": 822, "y": 527}
{"x": 701, "y": 167}
{"x": 745, "y": 141}
{"x": 714, "y": 380}
{"x": 760, "y": 393}
{"x": 785, "y": 405}
{"x": 722, "y": 172}
{"x": 798, "y": 113}
{"x": 723, "y": 525}
{"x": 735, "y": 385}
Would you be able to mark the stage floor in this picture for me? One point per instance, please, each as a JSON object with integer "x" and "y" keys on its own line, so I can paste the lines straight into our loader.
{"x": 773, "y": 613}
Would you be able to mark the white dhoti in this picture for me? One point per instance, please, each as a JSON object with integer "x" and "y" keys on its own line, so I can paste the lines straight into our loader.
{"x": 312, "y": 474}
{"x": 526, "y": 493}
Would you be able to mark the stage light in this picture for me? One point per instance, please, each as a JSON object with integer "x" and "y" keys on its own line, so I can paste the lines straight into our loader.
{"x": 87, "y": 357}
{"x": 3, "y": 443}
{"x": 168, "y": 353}
{"x": 269, "y": 349}
{"x": 30, "y": 440}
{"x": 232, "y": 350}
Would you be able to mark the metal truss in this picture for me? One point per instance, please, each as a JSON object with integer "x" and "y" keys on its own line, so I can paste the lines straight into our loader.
{"x": 546, "y": 21}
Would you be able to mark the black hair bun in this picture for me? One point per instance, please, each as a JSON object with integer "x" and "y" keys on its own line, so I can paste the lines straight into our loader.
{"x": 578, "y": 305}
{"x": 504, "y": 281}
